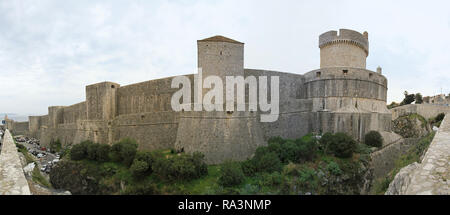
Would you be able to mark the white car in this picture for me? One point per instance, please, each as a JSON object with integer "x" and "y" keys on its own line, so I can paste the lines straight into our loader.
{"x": 40, "y": 155}
{"x": 55, "y": 161}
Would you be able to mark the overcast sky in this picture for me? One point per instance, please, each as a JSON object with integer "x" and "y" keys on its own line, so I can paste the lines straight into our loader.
{"x": 50, "y": 50}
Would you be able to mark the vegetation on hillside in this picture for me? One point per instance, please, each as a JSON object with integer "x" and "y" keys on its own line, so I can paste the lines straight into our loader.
{"x": 411, "y": 126}
{"x": 36, "y": 175}
{"x": 436, "y": 121}
{"x": 335, "y": 164}
{"x": 412, "y": 155}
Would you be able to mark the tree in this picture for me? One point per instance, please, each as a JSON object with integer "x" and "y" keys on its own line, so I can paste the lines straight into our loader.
{"x": 102, "y": 154}
{"x": 124, "y": 151}
{"x": 419, "y": 98}
{"x": 79, "y": 151}
{"x": 409, "y": 98}
{"x": 339, "y": 144}
{"x": 373, "y": 138}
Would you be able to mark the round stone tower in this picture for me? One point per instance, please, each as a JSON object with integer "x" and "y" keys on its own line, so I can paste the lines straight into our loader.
{"x": 346, "y": 97}
{"x": 347, "y": 49}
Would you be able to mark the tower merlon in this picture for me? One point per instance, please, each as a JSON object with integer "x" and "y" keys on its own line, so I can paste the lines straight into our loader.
{"x": 345, "y": 36}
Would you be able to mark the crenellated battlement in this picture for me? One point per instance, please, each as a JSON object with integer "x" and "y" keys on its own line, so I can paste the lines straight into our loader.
{"x": 341, "y": 96}
{"x": 345, "y": 36}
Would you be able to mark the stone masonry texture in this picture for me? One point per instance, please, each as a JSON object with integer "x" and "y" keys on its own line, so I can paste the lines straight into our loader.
{"x": 12, "y": 178}
{"x": 341, "y": 96}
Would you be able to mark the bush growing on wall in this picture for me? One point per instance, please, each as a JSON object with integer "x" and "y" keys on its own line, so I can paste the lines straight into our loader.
{"x": 373, "y": 138}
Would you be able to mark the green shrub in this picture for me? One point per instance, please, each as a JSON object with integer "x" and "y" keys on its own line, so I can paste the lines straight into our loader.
{"x": 439, "y": 117}
{"x": 124, "y": 151}
{"x": 231, "y": 174}
{"x": 55, "y": 146}
{"x": 102, "y": 154}
{"x": 373, "y": 138}
{"x": 146, "y": 157}
{"x": 334, "y": 168}
{"x": 339, "y": 144}
{"x": 273, "y": 179}
{"x": 162, "y": 167}
{"x": 198, "y": 159}
{"x": 307, "y": 179}
{"x": 183, "y": 167}
{"x": 273, "y": 147}
{"x": 249, "y": 168}
{"x": 79, "y": 151}
{"x": 297, "y": 151}
{"x": 139, "y": 168}
{"x": 289, "y": 151}
{"x": 109, "y": 169}
{"x": 268, "y": 163}
{"x": 141, "y": 189}
{"x": 92, "y": 151}
{"x": 262, "y": 162}
{"x": 306, "y": 149}
{"x": 291, "y": 169}
{"x": 324, "y": 140}
{"x": 277, "y": 140}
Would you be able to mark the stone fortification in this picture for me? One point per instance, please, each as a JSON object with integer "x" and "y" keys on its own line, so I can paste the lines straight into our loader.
{"x": 431, "y": 176}
{"x": 425, "y": 110}
{"x": 12, "y": 178}
{"x": 340, "y": 96}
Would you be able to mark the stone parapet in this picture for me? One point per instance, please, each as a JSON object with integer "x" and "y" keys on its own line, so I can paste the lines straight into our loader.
{"x": 12, "y": 178}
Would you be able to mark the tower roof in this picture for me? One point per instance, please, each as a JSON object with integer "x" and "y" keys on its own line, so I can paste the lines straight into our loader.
{"x": 219, "y": 38}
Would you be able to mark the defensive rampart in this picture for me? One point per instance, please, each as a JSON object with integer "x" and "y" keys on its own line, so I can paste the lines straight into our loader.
{"x": 425, "y": 110}
{"x": 431, "y": 176}
{"x": 342, "y": 96}
{"x": 12, "y": 178}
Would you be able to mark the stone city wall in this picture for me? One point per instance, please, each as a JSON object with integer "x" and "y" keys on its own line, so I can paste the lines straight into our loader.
{"x": 338, "y": 97}
{"x": 431, "y": 175}
{"x": 426, "y": 110}
{"x": 12, "y": 178}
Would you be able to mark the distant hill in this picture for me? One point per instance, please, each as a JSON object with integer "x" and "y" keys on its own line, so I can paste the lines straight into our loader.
{"x": 14, "y": 116}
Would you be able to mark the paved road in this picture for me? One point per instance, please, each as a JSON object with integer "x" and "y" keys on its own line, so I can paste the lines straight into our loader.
{"x": 41, "y": 161}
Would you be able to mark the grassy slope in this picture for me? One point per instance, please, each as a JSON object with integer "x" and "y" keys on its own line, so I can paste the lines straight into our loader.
{"x": 411, "y": 156}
